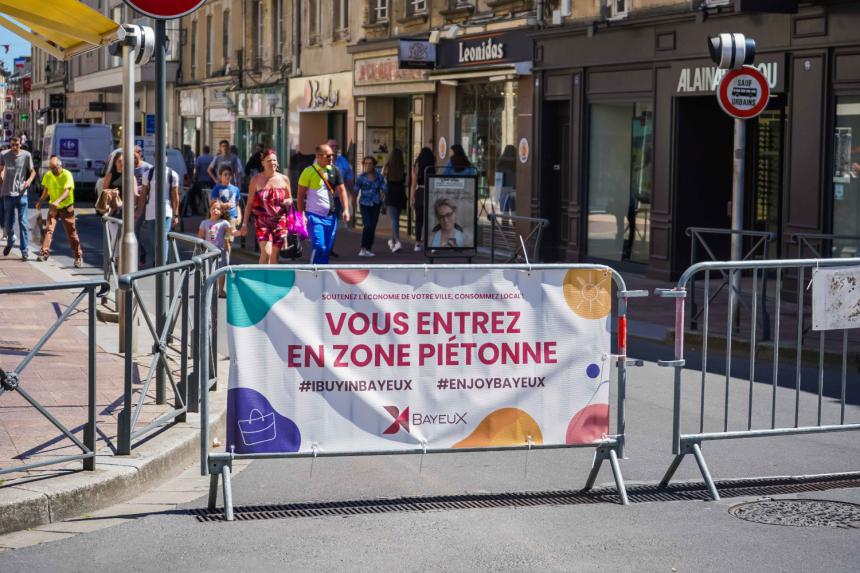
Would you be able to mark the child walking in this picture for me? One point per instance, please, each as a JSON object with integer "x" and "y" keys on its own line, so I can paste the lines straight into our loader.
{"x": 217, "y": 230}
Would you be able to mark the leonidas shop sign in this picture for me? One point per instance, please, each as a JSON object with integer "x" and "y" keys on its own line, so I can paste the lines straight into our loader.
{"x": 702, "y": 76}
{"x": 485, "y": 49}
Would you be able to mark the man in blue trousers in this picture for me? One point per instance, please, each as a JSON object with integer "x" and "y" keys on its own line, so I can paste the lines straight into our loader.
{"x": 318, "y": 185}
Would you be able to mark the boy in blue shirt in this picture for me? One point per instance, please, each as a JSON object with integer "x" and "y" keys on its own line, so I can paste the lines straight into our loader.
{"x": 226, "y": 192}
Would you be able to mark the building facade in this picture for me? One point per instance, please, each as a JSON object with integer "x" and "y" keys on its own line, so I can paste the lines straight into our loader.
{"x": 478, "y": 93}
{"x": 633, "y": 148}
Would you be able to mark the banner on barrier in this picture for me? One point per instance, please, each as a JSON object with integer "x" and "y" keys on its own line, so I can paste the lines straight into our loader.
{"x": 836, "y": 298}
{"x": 352, "y": 360}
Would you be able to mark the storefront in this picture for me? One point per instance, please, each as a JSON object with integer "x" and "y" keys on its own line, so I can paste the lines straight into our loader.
{"x": 484, "y": 103}
{"x": 260, "y": 117}
{"x": 393, "y": 107}
{"x": 321, "y": 108}
{"x": 635, "y": 149}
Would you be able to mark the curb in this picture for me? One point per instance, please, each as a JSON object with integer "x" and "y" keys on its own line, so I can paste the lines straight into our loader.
{"x": 37, "y": 501}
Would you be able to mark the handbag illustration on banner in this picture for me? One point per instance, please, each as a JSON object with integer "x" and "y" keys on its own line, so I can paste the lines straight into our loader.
{"x": 258, "y": 428}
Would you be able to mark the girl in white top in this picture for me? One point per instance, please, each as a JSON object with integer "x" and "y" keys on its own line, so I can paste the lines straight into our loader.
{"x": 217, "y": 230}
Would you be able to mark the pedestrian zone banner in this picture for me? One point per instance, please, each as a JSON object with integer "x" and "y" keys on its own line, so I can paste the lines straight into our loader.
{"x": 358, "y": 360}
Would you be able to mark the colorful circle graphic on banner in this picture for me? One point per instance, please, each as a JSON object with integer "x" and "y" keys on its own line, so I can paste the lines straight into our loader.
{"x": 589, "y": 424}
{"x": 352, "y": 276}
{"x": 505, "y": 427}
{"x": 251, "y": 294}
{"x": 588, "y": 292}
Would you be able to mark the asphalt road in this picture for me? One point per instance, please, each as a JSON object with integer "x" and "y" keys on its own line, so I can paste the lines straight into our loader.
{"x": 653, "y": 536}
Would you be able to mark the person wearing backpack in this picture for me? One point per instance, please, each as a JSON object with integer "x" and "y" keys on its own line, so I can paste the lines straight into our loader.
{"x": 318, "y": 185}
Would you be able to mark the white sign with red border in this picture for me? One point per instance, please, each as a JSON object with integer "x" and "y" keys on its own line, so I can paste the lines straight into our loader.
{"x": 743, "y": 93}
{"x": 165, "y": 9}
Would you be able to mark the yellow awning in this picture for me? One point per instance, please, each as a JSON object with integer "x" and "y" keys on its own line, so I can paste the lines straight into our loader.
{"x": 66, "y": 29}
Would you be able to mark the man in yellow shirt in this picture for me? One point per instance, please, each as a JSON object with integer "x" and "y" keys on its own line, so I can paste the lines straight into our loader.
{"x": 58, "y": 187}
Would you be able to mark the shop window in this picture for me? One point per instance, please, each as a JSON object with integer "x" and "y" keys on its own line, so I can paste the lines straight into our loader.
{"x": 416, "y": 7}
{"x": 620, "y": 171}
{"x": 379, "y": 11}
{"x": 485, "y": 123}
{"x": 846, "y": 176}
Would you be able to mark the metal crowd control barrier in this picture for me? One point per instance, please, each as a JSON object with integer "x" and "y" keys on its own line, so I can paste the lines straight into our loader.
{"x": 823, "y": 246}
{"x": 760, "y": 248}
{"x": 610, "y": 448}
{"x": 12, "y": 381}
{"x": 111, "y": 237}
{"x": 684, "y": 443}
{"x": 515, "y": 244}
{"x": 181, "y": 307}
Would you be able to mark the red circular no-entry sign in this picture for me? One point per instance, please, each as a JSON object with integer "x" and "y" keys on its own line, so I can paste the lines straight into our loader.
{"x": 165, "y": 9}
{"x": 743, "y": 93}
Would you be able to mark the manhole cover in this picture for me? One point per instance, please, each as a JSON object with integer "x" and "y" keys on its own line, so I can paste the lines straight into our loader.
{"x": 800, "y": 513}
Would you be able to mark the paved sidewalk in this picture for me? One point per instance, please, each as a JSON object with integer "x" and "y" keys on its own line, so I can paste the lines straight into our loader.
{"x": 57, "y": 378}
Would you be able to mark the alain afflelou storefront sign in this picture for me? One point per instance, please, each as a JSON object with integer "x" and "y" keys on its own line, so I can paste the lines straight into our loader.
{"x": 485, "y": 50}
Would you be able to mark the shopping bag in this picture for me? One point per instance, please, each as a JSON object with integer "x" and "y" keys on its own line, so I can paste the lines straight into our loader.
{"x": 292, "y": 247}
{"x": 296, "y": 225}
{"x": 258, "y": 428}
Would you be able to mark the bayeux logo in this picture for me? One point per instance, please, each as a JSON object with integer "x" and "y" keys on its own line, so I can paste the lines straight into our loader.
{"x": 401, "y": 419}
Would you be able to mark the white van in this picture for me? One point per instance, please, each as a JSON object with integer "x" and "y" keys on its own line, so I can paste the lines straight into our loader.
{"x": 82, "y": 147}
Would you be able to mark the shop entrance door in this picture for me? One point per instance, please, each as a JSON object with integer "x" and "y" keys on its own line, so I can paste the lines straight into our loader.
{"x": 555, "y": 166}
{"x": 703, "y": 167}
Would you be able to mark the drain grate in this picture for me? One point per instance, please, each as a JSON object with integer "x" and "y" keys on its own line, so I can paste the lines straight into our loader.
{"x": 636, "y": 493}
{"x": 800, "y": 513}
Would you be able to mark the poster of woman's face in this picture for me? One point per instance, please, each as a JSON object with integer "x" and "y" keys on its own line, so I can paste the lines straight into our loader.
{"x": 451, "y": 212}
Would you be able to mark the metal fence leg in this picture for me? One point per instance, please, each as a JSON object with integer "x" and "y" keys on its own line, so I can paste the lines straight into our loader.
{"x": 619, "y": 479}
{"x": 213, "y": 490}
{"x": 673, "y": 467}
{"x": 703, "y": 467}
{"x": 193, "y": 377}
{"x": 181, "y": 400}
{"x": 228, "y": 491}
{"x": 123, "y": 446}
{"x": 595, "y": 469}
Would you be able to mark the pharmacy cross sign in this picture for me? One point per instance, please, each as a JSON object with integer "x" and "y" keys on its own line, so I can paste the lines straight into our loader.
{"x": 165, "y": 9}
{"x": 743, "y": 93}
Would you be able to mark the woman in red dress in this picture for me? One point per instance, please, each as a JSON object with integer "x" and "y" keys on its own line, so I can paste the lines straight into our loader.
{"x": 270, "y": 199}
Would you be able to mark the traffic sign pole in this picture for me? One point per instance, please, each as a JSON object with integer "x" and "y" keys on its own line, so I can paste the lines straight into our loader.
{"x": 161, "y": 195}
{"x": 743, "y": 93}
{"x": 738, "y": 176}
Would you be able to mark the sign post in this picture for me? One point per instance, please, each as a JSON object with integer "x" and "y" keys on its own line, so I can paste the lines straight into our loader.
{"x": 743, "y": 94}
{"x": 161, "y": 10}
